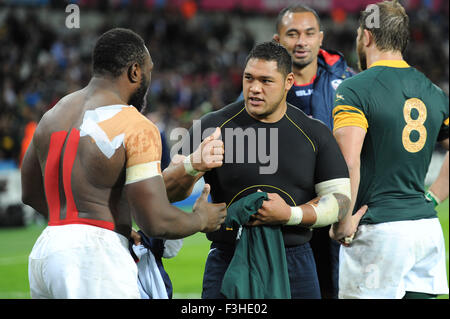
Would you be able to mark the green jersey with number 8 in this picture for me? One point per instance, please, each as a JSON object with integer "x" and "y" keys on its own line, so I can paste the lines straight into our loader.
{"x": 404, "y": 115}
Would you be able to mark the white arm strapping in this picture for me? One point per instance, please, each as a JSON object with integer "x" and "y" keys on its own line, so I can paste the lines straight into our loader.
{"x": 327, "y": 209}
{"x": 143, "y": 171}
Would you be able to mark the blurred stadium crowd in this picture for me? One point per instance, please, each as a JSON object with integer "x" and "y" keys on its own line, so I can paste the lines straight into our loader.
{"x": 198, "y": 55}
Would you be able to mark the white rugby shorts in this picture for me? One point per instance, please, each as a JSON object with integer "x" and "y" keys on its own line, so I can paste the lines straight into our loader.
{"x": 386, "y": 260}
{"x": 81, "y": 262}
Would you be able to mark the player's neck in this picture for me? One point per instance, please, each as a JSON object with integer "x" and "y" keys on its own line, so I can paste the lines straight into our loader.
{"x": 274, "y": 116}
{"x": 278, "y": 114}
{"x": 306, "y": 74}
{"x": 108, "y": 89}
{"x": 377, "y": 55}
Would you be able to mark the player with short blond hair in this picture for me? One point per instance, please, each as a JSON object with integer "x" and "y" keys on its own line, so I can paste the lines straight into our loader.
{"x": 387, "y": 120}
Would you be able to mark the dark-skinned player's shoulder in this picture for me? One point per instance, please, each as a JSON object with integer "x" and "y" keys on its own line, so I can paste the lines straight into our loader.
{"x": 120, "y": 126}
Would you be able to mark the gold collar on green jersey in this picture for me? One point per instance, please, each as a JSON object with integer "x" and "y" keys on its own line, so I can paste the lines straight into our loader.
{"x": 391, "y": 63}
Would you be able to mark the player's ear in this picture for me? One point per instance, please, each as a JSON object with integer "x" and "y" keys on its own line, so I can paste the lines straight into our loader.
{"x": 367, "y": 38}
{"x": 289, "y": 81}
{"x": 276, "y": 37}
{"x": 133, "y": 73}
{"x": 321, "y": 37}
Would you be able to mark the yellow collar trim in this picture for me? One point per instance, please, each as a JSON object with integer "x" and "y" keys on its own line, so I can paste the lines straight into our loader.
{"x": 391, "y": 63}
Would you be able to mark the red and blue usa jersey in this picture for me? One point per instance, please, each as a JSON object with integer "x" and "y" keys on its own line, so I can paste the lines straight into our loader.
{"x": 316, "y": 99}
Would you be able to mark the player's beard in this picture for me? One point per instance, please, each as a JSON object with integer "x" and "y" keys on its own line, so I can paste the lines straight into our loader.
{"x": 139, "y": 98}
{"x": 301, "y": 63}
{"x": 362, "y": 58}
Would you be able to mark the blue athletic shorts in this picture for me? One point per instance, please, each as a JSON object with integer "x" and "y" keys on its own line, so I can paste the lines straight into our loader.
{"x": 301, "y": 267}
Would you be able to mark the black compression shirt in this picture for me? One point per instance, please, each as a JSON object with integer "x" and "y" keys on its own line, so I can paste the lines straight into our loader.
{"x": 287, "y": 157}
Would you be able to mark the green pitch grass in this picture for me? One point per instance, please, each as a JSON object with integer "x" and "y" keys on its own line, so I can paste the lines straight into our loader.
{"x": 185, "y": 270}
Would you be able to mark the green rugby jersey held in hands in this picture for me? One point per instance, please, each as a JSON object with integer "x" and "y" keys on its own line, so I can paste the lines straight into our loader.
{"x": 404, "y": 115}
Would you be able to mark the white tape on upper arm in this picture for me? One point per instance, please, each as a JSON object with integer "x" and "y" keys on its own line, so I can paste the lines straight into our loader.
{"x": 337, "y": 185}
{"x": 327, "y": 209}
{"x": 140, "y": 172}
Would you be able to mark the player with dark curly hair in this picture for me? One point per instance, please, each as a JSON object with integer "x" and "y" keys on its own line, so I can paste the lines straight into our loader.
{"x": 93, "y": 163}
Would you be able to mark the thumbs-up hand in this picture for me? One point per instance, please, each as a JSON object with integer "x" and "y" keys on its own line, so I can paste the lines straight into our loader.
{"x": 211, "y": 215}
{"x": 209, "y": 154}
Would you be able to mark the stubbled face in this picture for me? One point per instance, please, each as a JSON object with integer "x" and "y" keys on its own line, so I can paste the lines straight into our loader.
{"x": 264, "y": 88}
{"x": 360, "y": 50}
{"x": 300, "y": 34}
{"x": 138, "y": 98}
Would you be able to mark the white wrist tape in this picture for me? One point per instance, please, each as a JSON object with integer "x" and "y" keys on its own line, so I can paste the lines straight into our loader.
{"x": 296, "y": 216}
{"x": 188, "y": 166}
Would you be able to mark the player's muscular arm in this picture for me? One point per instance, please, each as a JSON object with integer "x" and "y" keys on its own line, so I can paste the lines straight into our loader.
{"x": 179, "y": 183}
{"x": 350, "y": 140}
{"x": 329, "y": 207}
{"x": 183, "y": 172}
{"x": 32, "y": 182}
{"x": 332, "y": 188}
{"x": 146, "y": 192}
{"x": 157, "y": 218}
